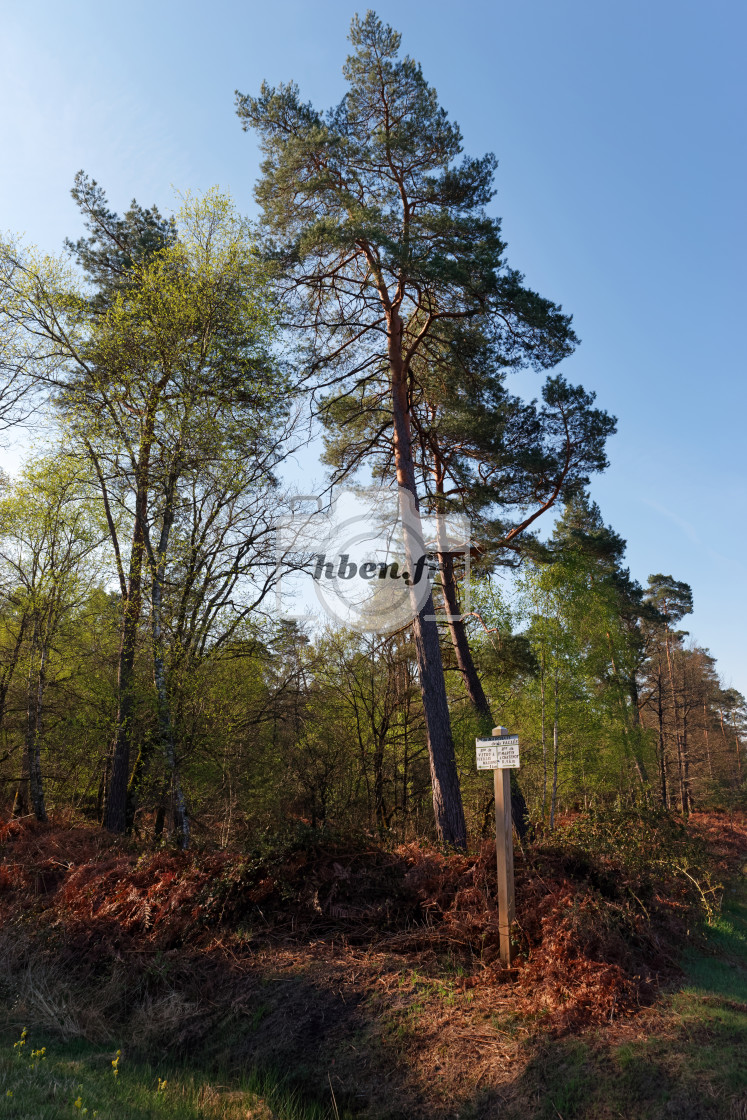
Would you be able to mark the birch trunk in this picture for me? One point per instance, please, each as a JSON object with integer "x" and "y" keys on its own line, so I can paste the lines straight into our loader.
{"x": 35, "y": 700}
{"x": 554, "y": 798}
{"x": 181, "y": 818}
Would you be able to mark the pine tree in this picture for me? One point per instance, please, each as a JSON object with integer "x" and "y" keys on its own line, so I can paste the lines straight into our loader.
{"x": 381, "y": 237}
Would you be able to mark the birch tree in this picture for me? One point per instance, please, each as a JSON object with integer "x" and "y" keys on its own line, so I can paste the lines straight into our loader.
{"x": 156, "y": 365}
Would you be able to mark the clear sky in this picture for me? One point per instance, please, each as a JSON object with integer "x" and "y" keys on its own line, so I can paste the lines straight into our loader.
{"x": 620, "y": 134}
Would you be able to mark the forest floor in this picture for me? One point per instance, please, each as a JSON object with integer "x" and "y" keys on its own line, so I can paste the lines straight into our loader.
{"x": 334, "y": 977}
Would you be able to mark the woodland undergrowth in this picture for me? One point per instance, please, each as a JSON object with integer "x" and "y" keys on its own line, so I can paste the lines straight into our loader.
{"x": 107, "y": 938}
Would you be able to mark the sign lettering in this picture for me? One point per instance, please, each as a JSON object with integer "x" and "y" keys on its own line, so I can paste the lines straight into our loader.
{"x": 498, "y": 752}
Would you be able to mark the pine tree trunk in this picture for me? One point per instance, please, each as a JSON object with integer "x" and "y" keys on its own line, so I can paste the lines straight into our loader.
{"x": 707, "y": 742}
{"x": 738, "y": 747}
{"x": 473, "y": 684}
{"x": 686, "y": 765}
{"x": 631, "y": 745}
{"x": 723, "y": 733}
{"x": 678, "y": 739}
{"x": 447, "y": 797}
{"x": 662, "y": 741}
{"x": 635, "y": 706}
{"x": 405, "y": 780}
{"x": 118, "y": 767}
{"x": 181, "y": 819}
{"x": 458, "y": 633}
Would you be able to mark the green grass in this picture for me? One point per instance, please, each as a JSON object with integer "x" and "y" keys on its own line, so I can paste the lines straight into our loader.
{"x": 76, "y": 1079}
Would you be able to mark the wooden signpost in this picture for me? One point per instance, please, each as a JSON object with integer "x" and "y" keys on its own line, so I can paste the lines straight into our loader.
{"x": 500, "y": 754}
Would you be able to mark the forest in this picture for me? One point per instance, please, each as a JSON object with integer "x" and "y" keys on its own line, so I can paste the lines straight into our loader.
{"x": 146, "y": 682}
{"x": 173, "y": 365}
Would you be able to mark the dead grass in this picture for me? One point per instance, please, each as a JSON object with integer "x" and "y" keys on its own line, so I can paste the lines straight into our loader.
{"x": 350, "y": 965}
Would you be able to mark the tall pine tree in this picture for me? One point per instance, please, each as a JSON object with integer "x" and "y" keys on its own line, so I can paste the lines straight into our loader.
{"x": 382, "y": 237}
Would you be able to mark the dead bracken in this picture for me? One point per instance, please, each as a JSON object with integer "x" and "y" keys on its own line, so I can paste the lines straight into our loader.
{"x": 597, "y": 930}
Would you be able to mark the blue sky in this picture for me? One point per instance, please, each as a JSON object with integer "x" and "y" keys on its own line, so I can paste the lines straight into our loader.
{"x": 620, "y": 134}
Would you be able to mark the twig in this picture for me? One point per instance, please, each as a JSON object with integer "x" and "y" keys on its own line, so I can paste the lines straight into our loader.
{"x": 334, "y": 1102}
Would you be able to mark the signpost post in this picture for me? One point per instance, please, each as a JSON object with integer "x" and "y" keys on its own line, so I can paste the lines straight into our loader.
{"x": 500, "y": 754}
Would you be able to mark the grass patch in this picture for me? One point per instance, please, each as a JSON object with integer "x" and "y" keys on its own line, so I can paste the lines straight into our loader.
{"x": 76, "y": 1079}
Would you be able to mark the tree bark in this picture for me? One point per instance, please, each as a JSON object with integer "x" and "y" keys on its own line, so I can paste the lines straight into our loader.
{"x": 678, "y": 738}
{"x": 472, "y": 682}
{"x": 21, "y": 799}
{"x": 632, "y": 745}
{"x": 181, "y": 819}
{"x": 35, "y": 700}
{"x": 10, "y": 668}
{"x": 460, "y": 642}
{"x": 447, "y": 797}
{"x": 543, "y": 731}
{"x": 686, "y": 763}
{"x": 137, "y": 777}
{"x": 707, "y": 741}
{"x": 115, "y": 808}
{"x": 378, "y": 783}
{"x": 554, "y": 797}
{"x": 662, "y": 741}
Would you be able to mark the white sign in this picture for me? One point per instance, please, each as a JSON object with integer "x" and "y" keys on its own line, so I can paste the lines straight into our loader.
{"x": 498, "y": 753}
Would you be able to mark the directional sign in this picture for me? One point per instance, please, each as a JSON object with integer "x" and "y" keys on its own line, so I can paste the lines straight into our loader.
{"x": 487, "y": 757}
{"x": 498, "y": 752}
